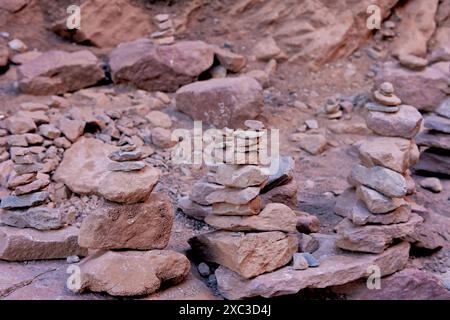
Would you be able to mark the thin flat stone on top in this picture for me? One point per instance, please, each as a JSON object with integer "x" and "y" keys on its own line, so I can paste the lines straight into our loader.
{"x": 24, "y": 201}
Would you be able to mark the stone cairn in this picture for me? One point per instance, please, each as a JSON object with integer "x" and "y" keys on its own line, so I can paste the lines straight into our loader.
{"x": 436, "y": 140}
{"x": 249, "y": 239}
{"x": 138, "y": 224}
{"x": 165, "y": 34}
{"x": 31, "y": 228}
{"x": 376, "y": 211}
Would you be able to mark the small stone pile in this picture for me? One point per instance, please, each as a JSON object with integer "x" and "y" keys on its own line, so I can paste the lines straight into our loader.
{"x": 377, "y": 214}
{"x": 436, "y": 140}
{"x": 165, "y": 34}
{"x": 31, "y": 227}
{"x": 139, "y": 226}
{"x": 333, "y": 108}
{"x": 251, "y": 239}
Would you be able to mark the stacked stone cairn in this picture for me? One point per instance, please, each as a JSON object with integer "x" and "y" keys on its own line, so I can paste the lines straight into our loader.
{"x": 377, "y": 215}
{"x": 249, "y": 239}
{"x": 165, "y": 34}
{"x": 436, "y": 141}
{"x": 31, "y": 228}
{"x": 333, "y": 108}
{"x": 130, "y": 233}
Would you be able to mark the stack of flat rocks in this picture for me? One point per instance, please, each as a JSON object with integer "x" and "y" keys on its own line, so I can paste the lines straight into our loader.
{"x": 165, "y": 34}
{"x": 130, "y": 236}
{"x": 436, "y": 141}
{"x": 377, "y": 215}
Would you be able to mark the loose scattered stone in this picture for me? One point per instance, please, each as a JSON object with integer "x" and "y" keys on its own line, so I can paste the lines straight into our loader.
{"x": 131, "y": 273}
{"x": 312, "y": 143}
{"x": 432, "y": 184}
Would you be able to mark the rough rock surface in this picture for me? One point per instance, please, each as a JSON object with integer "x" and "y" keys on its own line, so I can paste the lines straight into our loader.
{"x": 56, "y": 72}
{"x": 164, "y": 68}
{"x": 40, "y": 218}
{"x": 226, "y": 102}
{"x": 84, "y": 165}
{"x": 28, "y": 244}
{"x": 107, "y": 23}
{"x": 336, "y": 267}
{"x": 132, "y": 273}
{"x": 274, "y": 217}
{"x": 248, "y": 254}
{"x": 141, "y": 226}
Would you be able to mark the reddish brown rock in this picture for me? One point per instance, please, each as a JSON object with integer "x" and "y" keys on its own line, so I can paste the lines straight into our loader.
{"x": 56, "y": 72}
{"x": 221, "y": 102}
{"x": 159, "y": 68}
{"x": 106, "y": 23}
{"x": 84, "y": 165}
{"x": 231, "y": 61}
{"x": 141, "y": 226}
{"x": 286, "y": 194}
{"x": 28, "y": 244}
{"x": 248, "y": 254}
{"x": 132, "y": 273}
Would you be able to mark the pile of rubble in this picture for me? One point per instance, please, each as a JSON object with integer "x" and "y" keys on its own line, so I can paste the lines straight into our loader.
{"x": 376, "y": 211}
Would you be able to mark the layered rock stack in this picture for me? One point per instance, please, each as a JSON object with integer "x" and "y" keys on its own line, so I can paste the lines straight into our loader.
{"x": 436, "y": 139}
{"x": 377, "y": 214}
{"x": 31, "y": 228}
{"x": 139, "y": 227}
{"x": 165, "y": 34}
{"x": 251, "y": 239}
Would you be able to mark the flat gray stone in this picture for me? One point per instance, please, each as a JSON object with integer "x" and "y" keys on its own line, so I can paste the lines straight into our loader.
{"x": 40, "y": 218}
{"x": 126, "y": 166}
{"x": 24, "y": 201}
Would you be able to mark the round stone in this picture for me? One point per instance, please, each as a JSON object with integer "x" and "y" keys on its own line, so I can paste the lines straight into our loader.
{"x": 387, "y": 88}
{"x": 387, "y": 100}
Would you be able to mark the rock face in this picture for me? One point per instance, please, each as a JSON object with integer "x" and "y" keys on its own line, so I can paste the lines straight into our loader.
{"x": 129, "y": 187}
{"x": 28, "y": 244}
{"x": 226, "y": 102}
{"x": 247, "y": 254}
{"x": 373, "y": 238}
{"x": 56, "y": 72}
{"x": 417, "y": 25}
{"x": 141, "y": 226}
{"x": 274, "y": 217}
{"x": 132, "y": 273}
{"x": 84, "y": 165}
{"x": 335, "y": 268}
{"x": 404, "y": 124}
{"x": 335, "y": 30}
{"x": 107, "y": 23}
{"x": 159, "y": 68}
{"x": 432, "y": 82}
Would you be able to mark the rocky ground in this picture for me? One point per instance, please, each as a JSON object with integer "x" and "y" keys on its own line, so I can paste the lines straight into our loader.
{"x": 86, "y": 120}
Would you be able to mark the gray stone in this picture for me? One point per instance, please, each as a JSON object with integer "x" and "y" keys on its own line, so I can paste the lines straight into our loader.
{"x": 371, "y": 106}
{"x": 27, "y": 168}
{"x": 126, "y": 166}
{"x": 376, "y": 202}
{"x": 40, "y": 218}
{"x": 284, "y": 174}
{"x": 193, "y": 209}
{"x": 437, "y": 123}
{"x": 299, "y": 262}
{"x": 432, "y": 184}
{"x": 121, "y": 155}
{"x": 312, "y": 262}
{"x": 444, "y": 109}
{"x": 385, "y": 181}
{"x": 24, "y": 201}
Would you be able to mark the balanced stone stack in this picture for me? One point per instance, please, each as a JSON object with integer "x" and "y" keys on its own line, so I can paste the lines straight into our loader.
{"x": 131, "y": 237}
{"x": 436, "y": 140}
{"x": 165, "y": 34}
{"x": 377, "y": 214}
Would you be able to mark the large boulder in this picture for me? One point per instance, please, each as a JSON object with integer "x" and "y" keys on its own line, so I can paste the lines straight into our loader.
{"x": 225, "y": 102}
{"x": 248, "y": 254}
{"x": 131, "y": 273}
{"x": 106, "y": 23}
{"x": 84, "y": 165}
{"x": 56, "y": 72}
{"x": 164, "y": 68}
{"x": 141, "y": 226}
{"x": 336, "y": 267}
{"x": 432, "y": 82}
{"x": 29, "y": 244}
{"x": 417, "y": 25}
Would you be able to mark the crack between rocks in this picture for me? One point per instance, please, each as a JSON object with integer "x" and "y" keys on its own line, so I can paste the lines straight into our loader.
{"x": 23, "y": 284}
